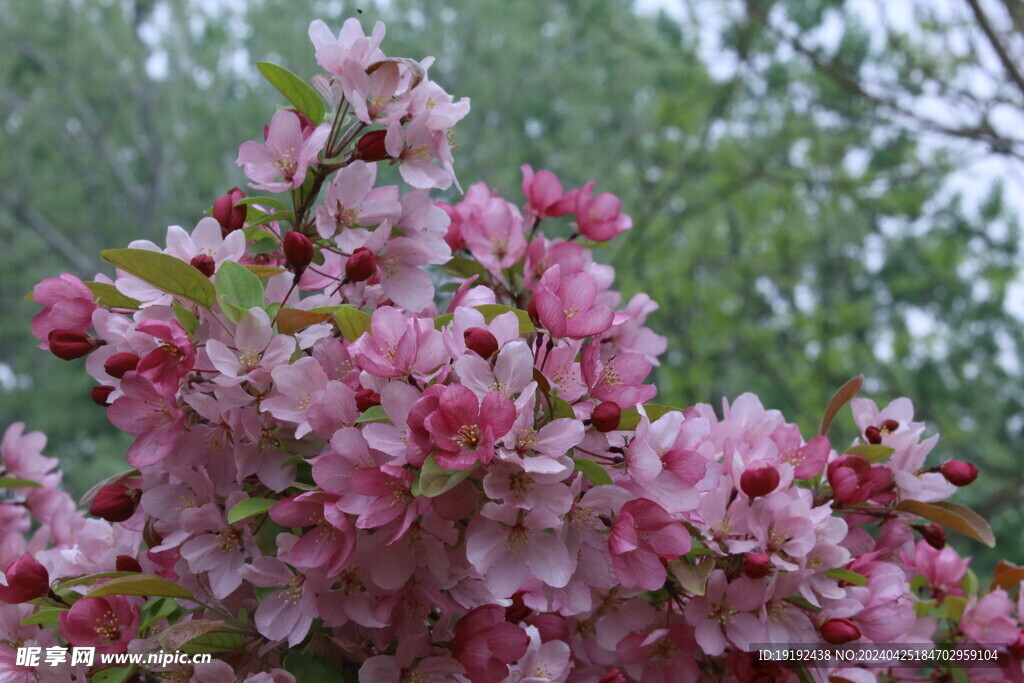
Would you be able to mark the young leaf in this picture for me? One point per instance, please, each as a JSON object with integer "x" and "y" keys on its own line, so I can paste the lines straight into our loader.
{"x": 871, "y": 452}
{"x": 164, "y": 272}
{"x": 249, "y": 507}
{"x": 952, "y": 516}
{"x": 492, "y": 311}
{"x": 561, "y": 408}
{"x": 239, "y": 286}
{"x": 261, "y": 201}
{"x": 17, "y": 483}
{"x": 291, "y": 320}
{"x": 295, "y": 90}
{"x": 185, "y": 317}
{"x": 47, "y": 616}
{"x": 840, "y": 399}
{"x": 435, "y": 480}
{"x": 1007, "y": 575}
{"x": 263, "y": 272}
{"x": 141, "y": 584}
{"x": 213, "y": 642}
{"x": 373, "y": 414}
{"x": 352, "y": 322}
{"x": 174, "y": 637}
{"x": 108, "y": 295}
{"x": 592, "y": 471}
{"x": 848, "y": 576}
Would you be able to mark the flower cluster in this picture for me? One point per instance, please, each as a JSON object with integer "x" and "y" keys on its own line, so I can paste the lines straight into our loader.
{"x": 330, "y": 471}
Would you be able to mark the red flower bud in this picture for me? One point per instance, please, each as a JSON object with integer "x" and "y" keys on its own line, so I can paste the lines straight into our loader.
{"x": 481, "y": 342}
{"x": 229, "y": 216}
{"x": 531, "y": 309}
{"x": 517, "y": 611}
{"x": 1017, "y": 649}
{"x": 839, "y": 631}
{"x": 933, "y": 534}
{"x": 121, "y": 363}
{"x": 127, "y": 563}
{"x": 873, "y": 435}
{"x": 361, "y": 265}
{"x": 890, "y": 426}
{"x": 757, "y": 565}
{"x": 371, "y": 148}
{"x": 26, "y": 580}
{"x": 298, "y": 250}
{"x": 366, "y": 399}
{"x": 606, "y": 416}
{"x": 69, "y": 345}
{"x": 115, "y": 503}
{"x": 204, "y": 263}
{"x": 101, "y": 394}
{"x": 759, "y": 481}
{"x": 613, "y": 676}
{"x": 958, "y": 472}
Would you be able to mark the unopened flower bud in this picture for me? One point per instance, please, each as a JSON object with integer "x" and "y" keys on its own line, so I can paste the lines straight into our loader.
{"x": 890, "y": 426}
{"x": 958, "y": 472}
{"x": 121, "y": 363}
{"x": 531, "y": 309}
{"x": 757, "y": 565}
{"x": 361, "y": 265}
{"x": 298, "y": 250}
{"x": 101, "y": 394}
{"x": 759, "y": 481}
{"x": 225, "y": 212}
{"x": 115, "y": 503}
{"x": 204, "y": 263}
{"x": 366, "y": 399}
{"x": 26, "y": 580}
{"x": 606, "y": 416}
{"x": 873, "y": 435}
{"x": 517, "y": 611}
{"x": 69, "y": 345}
{"x": 1017, "y": 648}
{"x": 839, "y": 631}
{"x": 127, "y": 563}
{"x": 371, "y": 147}
{"x": 481, "y": 342}
{"x": 933, "y": 534}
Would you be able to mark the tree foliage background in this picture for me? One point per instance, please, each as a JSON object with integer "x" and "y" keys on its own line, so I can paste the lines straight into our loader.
{"x": 819, "y": 188}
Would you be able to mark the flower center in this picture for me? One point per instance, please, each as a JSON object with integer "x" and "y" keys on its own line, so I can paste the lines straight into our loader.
{"x": 468, "y": 436}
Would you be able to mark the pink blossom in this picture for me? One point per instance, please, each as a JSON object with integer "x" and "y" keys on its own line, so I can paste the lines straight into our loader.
{"x": 288, "y": 613}
{"x": 620, "y": 380}
{"x": 217, "y": 548}
{"x": 351, "y": 44}
{"x": 104, "y": 623}
{"x": 255, "y": 348}
{"x": 148, "y": 414}
{"x": 329, "y": 544}
{"x": 643, "y": 535}
{"x": 544, "y": 195}
{"x": 665, "y": 655}
{"x": 296, "y": 385}
{"x": 600, "y": 218}
{"x": 723, "y": 614}
{"x": 68, "y": 305}
{"x": 281, "y": 164}
{"x": 464, "y": 428}
{"x": 485, "y": 644}
{"x": 565, "y": 305}
{"x": 397, "y": 346}
{"x": 988, "y": 619}
{"x": 352, "y": 201}
{"x": 855, "y": 480}
{"x": 416, "y": 148}
{"x": 165, "y": 365}
{"x": 942, "y": 568}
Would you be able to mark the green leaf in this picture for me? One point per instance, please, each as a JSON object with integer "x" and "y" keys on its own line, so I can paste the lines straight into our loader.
{"x": 185, "y": 317}
{"x": 953, "y": 607}
{"x": 271, "y": 217}
{"x": 250, "y": 507}
{"x": 215, "y": 641}
{"x": 262, "y": 201}
{"x": 373, "y": 414}
{"x": 492, "y": 311}
{"x": 692, "y": 577}
{"x": 924, "y": 607}
{"x": 164, "y": 272}
{"x": 108, "y": 295}
{"x": 352, "y": 322}
{"x": 969, "y": 582}
{"x": 291, "y": 320}
{"x": 871, "y": 452}
{"x": 156, "y": 610}
{"x": 442, "y": 320}
{"x": 141, "y": 584}
{"x": 952, "y": 516}
{"x": 463, "y": 267}
{"x": 233, "y": 312}
{"x": 295, "y": 90}
{"x": 592, "y": 471}
{"x": 561, "y": 408}
{"x": 238, "y": 286}
{"x": 174, "y": 637}
{"x": 840, "y": 399}
{"x": 17, "y": 483}
{"x": 47, "y": 616}
{"x": 848, "y": 576}
{"x": 802, "y": 602}
{"x": 263, "y": 272}
{"x": 630, "y": 417}
{"x": 434, "y": 480}
{"x": 265, "y": 245}
{"x": 306, "y": 666}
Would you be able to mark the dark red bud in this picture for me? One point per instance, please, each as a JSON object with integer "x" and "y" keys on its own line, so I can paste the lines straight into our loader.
{"x": 958, "y": 472}
{"x": 890, "y": 426}
{"x": 121, "y": 363}
{"x": 69, "y": 345}
{"x": 759, "y": 481}
{"x": 366, "y": 399}
{"x": 481, "y": 342}
{"x": 101, "y": 394}
{"x": 517, "y": 611}
{"x": 229, "y": 216}
{"x": 757, "y": 565}
{"x": 26, "y": 580}
{"x": 839, "y": 631}
{"x": 1017, "y": 649}
{"x": 933, "y": 534}
{"x": 361, "y": 265}
{"x": 298, "y": 250}
{"x": 371, "y": 148}
{"x": 127, "y": 563}
{"x": 531, "y": 308}
{"x": 115, "y": 503}
{"x": 204, "y": 263}
{"x": 873, "y": 435}
{"x": 606, "y": 416}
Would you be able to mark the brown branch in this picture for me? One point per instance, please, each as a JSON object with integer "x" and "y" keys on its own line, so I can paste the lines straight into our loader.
{"x": 997, "y": 44}
{"x": 24, "y": 214}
